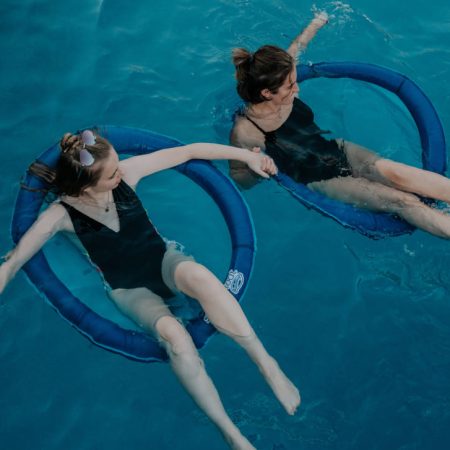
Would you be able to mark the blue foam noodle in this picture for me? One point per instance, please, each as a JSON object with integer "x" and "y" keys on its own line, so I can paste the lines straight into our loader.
{"x": 99, "y": 330}
{"x": 434, "y": 158}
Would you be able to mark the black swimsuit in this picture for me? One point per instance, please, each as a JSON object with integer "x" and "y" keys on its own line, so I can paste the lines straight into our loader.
{"x": 131, "y": 257}
{"x": 300, "y": 151}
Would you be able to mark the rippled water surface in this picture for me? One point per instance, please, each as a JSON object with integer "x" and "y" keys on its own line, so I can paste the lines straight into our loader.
{"x": 363, "y": 327}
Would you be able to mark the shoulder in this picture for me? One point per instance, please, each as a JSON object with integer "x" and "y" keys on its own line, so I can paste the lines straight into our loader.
{"x": 56, "y": 211}
{"x": 129, "y": 180}
{"x": 55, "y": 218}
{"x": 300, "y": 105}
{"x": 245, "y": 135}
{"x": 129, "y": 168}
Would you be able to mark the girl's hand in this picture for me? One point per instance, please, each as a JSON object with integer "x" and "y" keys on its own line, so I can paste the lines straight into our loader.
{"x": 320, "y": 19}
{"x": 261, "y": 164}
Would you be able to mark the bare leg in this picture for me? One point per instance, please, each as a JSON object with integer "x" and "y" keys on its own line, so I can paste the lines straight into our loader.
{"x": 401, "y": 176}
{"x": 412, "y": 179}
{"x": 189, "y": 368}
{"x": 141, "y": 305}
{"x": 375, "y": 196}
{"x": 227, "y": 316}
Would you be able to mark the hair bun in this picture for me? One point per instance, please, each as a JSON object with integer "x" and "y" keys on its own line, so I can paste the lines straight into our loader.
{"x": 241, "y": 56}
{"x": 69, "y": 142}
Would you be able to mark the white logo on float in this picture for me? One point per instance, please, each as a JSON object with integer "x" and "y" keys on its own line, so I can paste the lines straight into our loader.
{"x": 235, "y": 281}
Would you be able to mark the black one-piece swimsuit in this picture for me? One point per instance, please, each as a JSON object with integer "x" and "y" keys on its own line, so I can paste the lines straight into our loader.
{"x": 300, "y": 151}
{"x": 131, "y": 257}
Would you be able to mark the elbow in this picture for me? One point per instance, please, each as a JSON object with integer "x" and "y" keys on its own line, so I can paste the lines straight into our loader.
{"x": 195, "y": 150}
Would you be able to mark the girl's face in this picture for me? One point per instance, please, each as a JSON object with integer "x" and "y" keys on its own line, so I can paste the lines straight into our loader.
{"x": 111, "y": 174}
{"x": 287, "y": 91}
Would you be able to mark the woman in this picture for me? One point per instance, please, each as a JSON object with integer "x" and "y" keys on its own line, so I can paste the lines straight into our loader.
{"x": 278, "y": 122}
{"x": 98, "y": 204}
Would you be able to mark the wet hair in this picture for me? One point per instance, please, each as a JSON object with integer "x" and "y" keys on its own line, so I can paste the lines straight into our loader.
{"x": 71, "y": 176}
{"x": 267, "y": 68}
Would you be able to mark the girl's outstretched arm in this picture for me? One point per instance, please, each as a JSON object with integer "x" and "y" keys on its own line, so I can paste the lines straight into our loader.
{"x": 304, "y": 38}
{"x": 138, "y": 167}
{"x": 47, "y": 225}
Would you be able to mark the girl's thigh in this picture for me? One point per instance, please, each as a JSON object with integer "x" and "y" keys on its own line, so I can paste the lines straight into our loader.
{"x": 364, "y": 193}
{"x": 141, "y": 305}
{"x": 364, "y": 163}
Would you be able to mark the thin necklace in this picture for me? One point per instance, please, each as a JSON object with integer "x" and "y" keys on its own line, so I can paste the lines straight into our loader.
{"x": 106, "y": 207}
{"x": 107, "y": 202}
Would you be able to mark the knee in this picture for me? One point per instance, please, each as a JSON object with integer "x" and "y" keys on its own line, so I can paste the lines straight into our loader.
{"x": 179, "y": 346}
{"x": 191, "y": 275}
{"x": 171, "y": 331}
{"x": 404, "y": 201}
{"x": 175, "y": 336}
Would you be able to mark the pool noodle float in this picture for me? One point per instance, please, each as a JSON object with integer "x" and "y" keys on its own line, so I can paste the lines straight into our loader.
{"x": 101, "y": 331}
{"x": 371, "y": 224}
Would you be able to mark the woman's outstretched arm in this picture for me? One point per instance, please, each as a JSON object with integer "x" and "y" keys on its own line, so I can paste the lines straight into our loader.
{"x": 138, "y": 167}
{"x": 304, "y": 38}
{"x": 47, "y": 225}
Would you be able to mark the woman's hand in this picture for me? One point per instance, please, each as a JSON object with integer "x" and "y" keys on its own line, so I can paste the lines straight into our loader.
{"x": 261, "y": 164}
{"x": 320, "y": 19}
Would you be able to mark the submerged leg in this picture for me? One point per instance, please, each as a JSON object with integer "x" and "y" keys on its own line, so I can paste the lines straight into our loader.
{"x": 189, "y": 368}
{"x": 227, "y": 316}
{"x": 151, "y": 313}
{"x": 377, "y": 197}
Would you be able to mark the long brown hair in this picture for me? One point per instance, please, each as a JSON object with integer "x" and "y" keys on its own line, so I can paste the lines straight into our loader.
{"x": 267, "y": 68}
{"x": 71, "y": 177}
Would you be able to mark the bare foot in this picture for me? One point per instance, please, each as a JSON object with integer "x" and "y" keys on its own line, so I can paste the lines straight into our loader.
{"x": 283, "y": 388}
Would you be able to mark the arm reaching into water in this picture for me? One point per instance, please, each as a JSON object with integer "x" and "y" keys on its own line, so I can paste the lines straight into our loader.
{"x": 304, "y": 38}
{"x": 138, "y": 167}
{"x": 47, "y": 225}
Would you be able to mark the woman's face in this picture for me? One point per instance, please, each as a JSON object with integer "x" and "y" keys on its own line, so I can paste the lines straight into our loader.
{"x": 287, "y": 91}
{"x": 111, "y": 174}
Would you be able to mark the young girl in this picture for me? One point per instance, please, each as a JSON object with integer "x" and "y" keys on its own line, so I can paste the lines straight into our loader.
{"x": 281, "y": 124}
{"x": 98, "y": 203}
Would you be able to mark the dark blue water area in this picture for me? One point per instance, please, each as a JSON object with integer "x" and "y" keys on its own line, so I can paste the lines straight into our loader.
{"x": 361, "y": 326}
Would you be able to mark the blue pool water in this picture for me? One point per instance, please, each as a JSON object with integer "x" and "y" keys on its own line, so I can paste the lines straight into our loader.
{"x": 363, "y": 327}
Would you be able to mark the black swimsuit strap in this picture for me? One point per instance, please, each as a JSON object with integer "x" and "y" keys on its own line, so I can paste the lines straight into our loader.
{"x": 265, "y": 133}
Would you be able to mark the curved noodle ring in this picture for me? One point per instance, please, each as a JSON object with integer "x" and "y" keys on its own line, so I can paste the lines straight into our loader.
{"x": 371, "y": 224}
{"x": 101, "y": 331}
